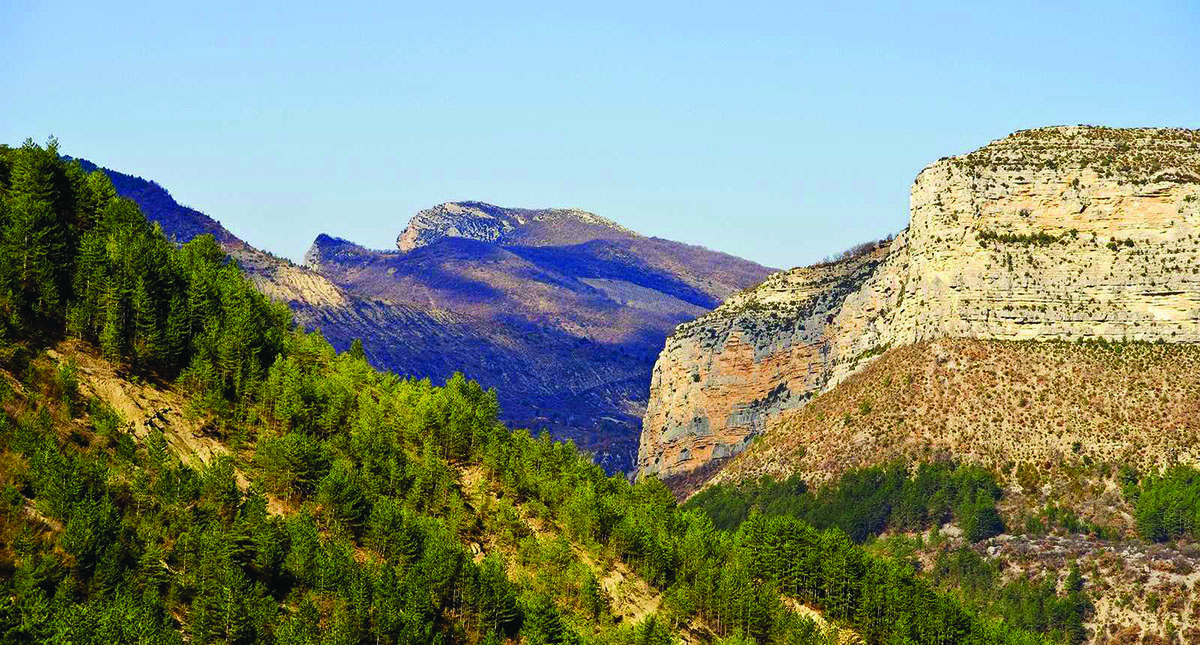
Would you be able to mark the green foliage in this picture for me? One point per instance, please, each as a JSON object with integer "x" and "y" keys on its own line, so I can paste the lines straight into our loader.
{"x": 654, "y": 631}
{"x": 865, "y": 502}
{"x": 543, "y": 625}
{"x": 496, "y": 598}
{"x": 1167, "y": 506}
{"x": 980, "y": 519}
{"x": 293, "y": 463}
{"x": 1040, "y": 238}
{"x": 1030, "y": 604}
{"x": 45, "y": 204}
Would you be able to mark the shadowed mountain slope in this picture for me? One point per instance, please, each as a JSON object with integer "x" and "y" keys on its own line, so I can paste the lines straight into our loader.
{"x": 562, "y": 311}
{"x": 552, "y": 284}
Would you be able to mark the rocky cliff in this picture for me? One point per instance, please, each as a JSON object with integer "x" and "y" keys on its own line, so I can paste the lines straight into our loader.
{"x": 1057, "y": 233}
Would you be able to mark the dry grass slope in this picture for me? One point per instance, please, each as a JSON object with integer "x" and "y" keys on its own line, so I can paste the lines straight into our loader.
{"x": 1065, "y": 415}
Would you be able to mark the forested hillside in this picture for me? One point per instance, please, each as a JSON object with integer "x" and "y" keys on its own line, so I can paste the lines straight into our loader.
{"x": 561, "y": 310}
{"x": 340, "y": 504}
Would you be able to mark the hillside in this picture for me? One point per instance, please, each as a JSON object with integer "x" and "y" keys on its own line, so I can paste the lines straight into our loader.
{"x": 560, "y": 310}
{"x": 1063, "y": 425}
{"x": 182, "y": 464}
{"x": 1056, "y": 415}
{"x": 1063, "y": 233}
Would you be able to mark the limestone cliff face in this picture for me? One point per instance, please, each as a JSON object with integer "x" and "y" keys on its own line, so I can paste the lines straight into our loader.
{"x": 721, "y": 377}
{"x": 1055, "y": 233}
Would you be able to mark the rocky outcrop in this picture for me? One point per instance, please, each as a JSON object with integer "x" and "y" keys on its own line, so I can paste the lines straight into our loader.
{"x": 722, "y": 377}
{"x": 487, "y": 223}
{"x": 1056, "y": 233}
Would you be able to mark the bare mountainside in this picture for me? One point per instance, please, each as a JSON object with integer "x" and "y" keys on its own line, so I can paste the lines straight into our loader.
{"x": 1063, "y": 233}
{"x": 561, "y": 310}
{"x": 1041, "y": 408}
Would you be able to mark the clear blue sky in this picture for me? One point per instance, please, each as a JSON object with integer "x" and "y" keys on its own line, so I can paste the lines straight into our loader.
{"x": 774, "y": 131}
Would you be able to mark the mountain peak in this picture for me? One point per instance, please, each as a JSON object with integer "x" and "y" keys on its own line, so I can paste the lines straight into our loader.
{"x": 517, "y": 226}
{"x": 328, "y": 246}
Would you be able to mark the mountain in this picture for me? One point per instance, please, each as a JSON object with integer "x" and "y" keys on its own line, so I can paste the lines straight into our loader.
{"x": 1061, "y": 233}
{"x": 183, "y": 464}
{"x": 1035, "y": 327}
{"x": 560, "y": 310}
{"x": 508, "y": 226}
{"x": 567, "y": 309}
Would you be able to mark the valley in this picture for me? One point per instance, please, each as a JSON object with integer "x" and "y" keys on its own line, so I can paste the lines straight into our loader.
{"x": 600, "y": 324}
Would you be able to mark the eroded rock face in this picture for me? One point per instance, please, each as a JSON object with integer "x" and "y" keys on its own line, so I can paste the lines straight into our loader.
{"x": 1055, "y": 233}
{"x": 721, "y": 377}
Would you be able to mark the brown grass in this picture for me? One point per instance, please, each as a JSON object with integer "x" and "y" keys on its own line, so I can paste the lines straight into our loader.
{"x": 1069, "y": 413}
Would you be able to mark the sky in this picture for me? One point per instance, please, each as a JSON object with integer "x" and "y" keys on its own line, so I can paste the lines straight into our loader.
{"x": 780, "y": 132}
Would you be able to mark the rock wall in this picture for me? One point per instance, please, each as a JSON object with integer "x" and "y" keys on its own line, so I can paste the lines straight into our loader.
{"x": 1055, "y": 233}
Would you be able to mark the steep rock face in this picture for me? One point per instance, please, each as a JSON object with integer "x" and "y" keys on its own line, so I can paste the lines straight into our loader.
{"x": 721, "y": 377}
{"x": 1056, "y": 233}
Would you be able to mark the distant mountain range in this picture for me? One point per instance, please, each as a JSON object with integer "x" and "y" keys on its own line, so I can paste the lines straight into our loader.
{"x": 561, "y": 310}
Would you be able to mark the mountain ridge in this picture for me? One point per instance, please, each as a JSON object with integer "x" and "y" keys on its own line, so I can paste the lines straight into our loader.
{"x": 563, "y": 320}
{"x": 490, "y": 223}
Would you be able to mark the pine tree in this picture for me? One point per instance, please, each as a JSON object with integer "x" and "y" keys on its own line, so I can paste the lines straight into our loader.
{"x": 592, "y": 596}
{"x": 982, "y": 520}
{"x": 496, "y": 599}
{"x": 356, "y": 350}
{"x": 841, "y": 572}
{"x": 542, "y": 625}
